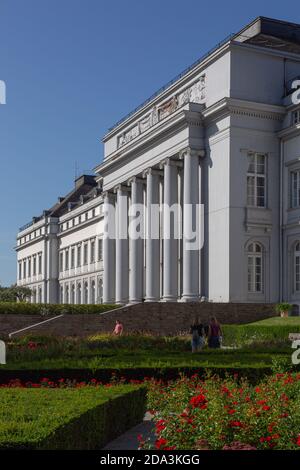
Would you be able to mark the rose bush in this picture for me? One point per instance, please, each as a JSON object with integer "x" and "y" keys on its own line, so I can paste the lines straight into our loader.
{"x": 229, "y": 414}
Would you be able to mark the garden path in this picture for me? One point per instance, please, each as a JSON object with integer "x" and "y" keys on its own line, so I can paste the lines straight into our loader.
{"x": 129, "y": 440}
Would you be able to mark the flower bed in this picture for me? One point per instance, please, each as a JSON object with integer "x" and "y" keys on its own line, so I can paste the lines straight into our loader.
{"x": 43, "y": 416}
{"x": 227, "y": 414}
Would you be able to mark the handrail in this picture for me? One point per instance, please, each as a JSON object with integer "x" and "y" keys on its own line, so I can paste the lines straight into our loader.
{"x": 35, "y": 324}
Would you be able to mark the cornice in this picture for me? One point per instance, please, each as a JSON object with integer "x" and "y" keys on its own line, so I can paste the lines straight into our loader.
{"x": 234, "y": 106}
{"x": 188, "y": 115}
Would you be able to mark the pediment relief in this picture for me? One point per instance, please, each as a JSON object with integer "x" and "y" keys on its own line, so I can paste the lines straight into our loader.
{"x": 195, "y": 93}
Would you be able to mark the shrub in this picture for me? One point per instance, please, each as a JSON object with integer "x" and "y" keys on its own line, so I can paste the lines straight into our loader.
{"x": 68, "y": 418}
{"x": 226, "y": 414}
{"x": 25, "y": 308}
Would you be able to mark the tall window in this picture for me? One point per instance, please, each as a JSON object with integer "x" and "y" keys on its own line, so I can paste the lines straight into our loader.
{"x": 295, "y": 188}
{"x": 85, "y": 292}
{"x": 34, "y": 265}
{"x": 61, "y": 261}
{"x": 100, "y": 249}
{"x": 85, "y": 254}
{"x": 20, "y": 271}
{"x": 29, "y": 267}
{"x": 40, "y": 263}
{"x": 256, "y": 180}
{"x": 73, "y": 294}
{"x": 79, "y": 293}
{"x": 24, "y": 269}
{"x": 93, "y": 292}
{"x": 255, "y": 268}
{"x": 297, "y": 267}
{"x": 67, "y": 260}
{"x": 78, "y": 256}
{"x": 93, "y": 251}
{"x": 72, "y": 257}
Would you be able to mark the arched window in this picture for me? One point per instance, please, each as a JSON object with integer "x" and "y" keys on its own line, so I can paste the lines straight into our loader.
{"x": 297, "y": 267}
{"x": 100, "y": 291}
{"x": 39, "y": 295}
{"x": 86, "y": 293}
{"x": 67, "y": 300}
{"x": 79, "y": 293}
{"x": 93, "y": 292}
{"x": 61, "y": 294}
{"x": 73, "y": 294}
{"x": 255, "y": 268}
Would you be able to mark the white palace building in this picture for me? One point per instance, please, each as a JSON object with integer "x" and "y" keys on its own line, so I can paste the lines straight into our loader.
{"x": 225, "y": 135}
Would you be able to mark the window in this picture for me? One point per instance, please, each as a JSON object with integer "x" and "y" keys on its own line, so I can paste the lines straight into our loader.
{"x": 86, "y": 293}
{"x": 24, "y": 269}
{"x": 39, "y": 295}
{"x": 295, "y": 189}
{"x": 79, "y": 293}
{"x": 61, "y": 261}
{"x": 255, "y": 268}
{"x": 40, "y": 264}
{"x": 296, "y": 117}
{"x": 256, "y": 180}
{"x": 93, "y": 251}
{"x": 297, "y": 267}
{"x": 67, "y": 260}
{"x": 85, "y": 254}
{"x": 93, "y": 213}
{"x": 100, "y": 291}
{"x": 100, "y": 249}
{"x": 73, "y": 294}
{"x": 34, "y": 265}
{"x": 67, "y": 300}
{"x": 20, "y": 271}
{"x": 86, "y": 216}
{"x": 78, "y": 256}
{"x": 29, "y": 267}
{"x": 72, "y": 257}
{"x": 93, "y": 292}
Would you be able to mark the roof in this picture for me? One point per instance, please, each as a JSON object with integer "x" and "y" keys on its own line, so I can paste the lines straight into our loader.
{"x": 84, "y": 190}
{"x": 263, "y": 32}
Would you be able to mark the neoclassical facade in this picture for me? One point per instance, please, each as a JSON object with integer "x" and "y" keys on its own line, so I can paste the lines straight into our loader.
{"x": 223, "y": 137}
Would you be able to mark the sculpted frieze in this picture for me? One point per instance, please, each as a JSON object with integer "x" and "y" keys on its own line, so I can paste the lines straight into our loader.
{"x": 193, "y": 94}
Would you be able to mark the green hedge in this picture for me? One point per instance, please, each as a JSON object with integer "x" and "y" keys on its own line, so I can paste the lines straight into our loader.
{"x": 24, "y": 308}
{"x": 245, "y": 335}
{"x": 70, "y": 419}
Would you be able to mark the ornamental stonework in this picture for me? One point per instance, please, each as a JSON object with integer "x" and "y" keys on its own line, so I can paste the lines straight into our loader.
{"x": 193, "y": 94}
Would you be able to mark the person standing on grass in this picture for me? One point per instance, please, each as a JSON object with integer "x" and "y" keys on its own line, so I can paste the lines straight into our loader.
{"x": 214, "y": 333}
{"x": 197, "y": 332}
{"x": 118, "y": 328}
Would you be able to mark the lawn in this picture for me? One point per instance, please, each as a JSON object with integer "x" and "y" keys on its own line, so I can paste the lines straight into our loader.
{"x": 67, "y": 418}
{"x": 253, "y": 345}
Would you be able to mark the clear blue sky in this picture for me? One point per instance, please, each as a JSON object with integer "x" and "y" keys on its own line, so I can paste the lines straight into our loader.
{"x": 74, "y": 67}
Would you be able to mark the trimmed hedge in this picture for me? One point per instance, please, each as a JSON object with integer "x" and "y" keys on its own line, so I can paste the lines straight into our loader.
{"x": 253, "y": 374}
{"x": 68, "y": 419}
{"x": 25, "y": 308}
{"x": 244, "y": 335}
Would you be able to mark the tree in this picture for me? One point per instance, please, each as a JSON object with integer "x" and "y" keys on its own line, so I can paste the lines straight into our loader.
{"x": 15, "y": 293}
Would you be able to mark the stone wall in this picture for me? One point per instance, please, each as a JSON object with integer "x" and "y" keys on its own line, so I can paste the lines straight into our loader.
{"x": 158, "y": 318}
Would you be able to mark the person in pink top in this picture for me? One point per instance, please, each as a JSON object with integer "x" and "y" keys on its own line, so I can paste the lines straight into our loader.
{"x": 118, "y": 328}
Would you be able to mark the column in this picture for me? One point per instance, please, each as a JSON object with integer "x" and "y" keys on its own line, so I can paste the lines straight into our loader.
{"x": 109, "y": 276}
{"x": 122, "y": 262}
{"x": 136, "y": 241}
{"x": 170, "y": 231}
{"x": 152, "y": 236}
{"x": 192, "y": 230}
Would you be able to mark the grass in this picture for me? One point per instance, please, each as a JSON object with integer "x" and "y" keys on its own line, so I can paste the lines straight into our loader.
{"x": 67, "y": 418}
{"x": 252, "y": 345}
